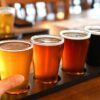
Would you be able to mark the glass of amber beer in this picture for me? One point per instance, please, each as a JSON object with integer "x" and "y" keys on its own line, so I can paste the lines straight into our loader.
{"x": 15, "y": 58}
{"x": 6, "y": 21}
{"x": 47, "y": 52}
{"x": 76, "y": 44}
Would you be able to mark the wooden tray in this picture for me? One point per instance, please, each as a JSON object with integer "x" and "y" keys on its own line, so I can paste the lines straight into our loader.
{"x": 38, "y": 90}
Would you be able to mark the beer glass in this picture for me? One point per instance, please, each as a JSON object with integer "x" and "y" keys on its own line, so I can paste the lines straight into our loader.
{"x": 93, "y": 56}
{"x": 47, "y": 51}
{"x": 76, "y": 44}
{"x": 6, "y": 21}
{"x": 15, "y": 58}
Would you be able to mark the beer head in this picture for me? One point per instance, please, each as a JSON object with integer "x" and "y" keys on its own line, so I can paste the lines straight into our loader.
{"x": 15, "y": 45}
{"x": 7, "y": 10}
{"x": 75, "y": 34}
{"x": 95, "y": 30}
{"x": 47, "y": 40}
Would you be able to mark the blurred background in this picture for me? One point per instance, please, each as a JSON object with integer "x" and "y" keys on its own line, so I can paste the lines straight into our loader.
{"x": 40, "y": 10}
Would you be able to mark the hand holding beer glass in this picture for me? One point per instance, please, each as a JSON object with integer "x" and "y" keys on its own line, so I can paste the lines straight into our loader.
{"x": 15, "y": 58}
{"x": 10, "y": 83}
{"x": 6, "y": 21}
{"x": 47, "y": 52}
{"x": 76, "y": 44}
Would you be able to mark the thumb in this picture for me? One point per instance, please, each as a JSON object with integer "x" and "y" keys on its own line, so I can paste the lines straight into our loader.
{"x": 10, "y": 83}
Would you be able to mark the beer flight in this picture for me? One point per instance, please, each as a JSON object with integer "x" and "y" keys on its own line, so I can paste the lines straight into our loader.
{"x": 73, "y": 48}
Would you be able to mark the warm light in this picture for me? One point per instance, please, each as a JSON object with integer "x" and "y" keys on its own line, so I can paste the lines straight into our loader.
{"x": 17, "y": 5}
{"x": 51, "y": 16}
{"x": 96, "y": 5}
{"x": 41, "y": 10}
{"x": 76, "y": 9}
{"x": 76, "y": 2}
{"x": 30, "y": 9}
{"x": 60, "y": 15}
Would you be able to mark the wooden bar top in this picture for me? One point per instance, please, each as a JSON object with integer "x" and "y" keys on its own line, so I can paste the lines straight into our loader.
{"x": 88, "y": 90}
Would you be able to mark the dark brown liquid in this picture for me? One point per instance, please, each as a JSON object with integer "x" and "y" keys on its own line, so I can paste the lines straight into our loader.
{"x": 73, "y": 35}
{"x": 47, "y": 40}
{"x": 14, "y": 45}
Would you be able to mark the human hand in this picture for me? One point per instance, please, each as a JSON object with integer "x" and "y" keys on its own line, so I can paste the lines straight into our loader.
{"x": 10, "y": 83}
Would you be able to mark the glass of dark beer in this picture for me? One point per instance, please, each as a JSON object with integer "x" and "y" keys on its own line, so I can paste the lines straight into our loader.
{"x": 15, "y": 58}
{"x": 76, "y": 44}
{"x": 93, "y": 56}
{"x": 47, "y": 52}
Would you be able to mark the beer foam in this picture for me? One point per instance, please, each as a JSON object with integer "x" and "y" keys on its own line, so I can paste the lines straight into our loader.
{"x": 7, "y": 10}
{"x": 47, "y": 40}
{"x": 15, "y": 45}
{"x": 75, "y": 34}
{"x": 95, "y": 30}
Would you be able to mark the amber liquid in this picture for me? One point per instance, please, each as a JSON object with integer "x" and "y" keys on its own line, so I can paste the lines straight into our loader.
{"x": 46, "y": 61}
{"x": 14, "y": 62}
{"x": 74, "y": 55}
{"x": 6, "y": 23}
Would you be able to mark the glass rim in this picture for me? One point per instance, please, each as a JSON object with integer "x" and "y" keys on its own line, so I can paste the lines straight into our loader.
{"x": 18, "y": 41}
{"x": 88, "y": 29}
{"x": 75, "y": 31}
{"x": 47, "y": 36}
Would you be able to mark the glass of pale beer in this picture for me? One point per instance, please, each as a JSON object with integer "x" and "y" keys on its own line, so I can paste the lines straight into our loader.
{"x": 47, "y": 52}
{"x": 6, "y": 21}
{"x": 76, "y": 44}
{"x": 15, "y": 58}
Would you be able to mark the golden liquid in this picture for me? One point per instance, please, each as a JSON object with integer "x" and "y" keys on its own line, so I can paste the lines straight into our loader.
{"x": 6, "y": 23}
{"x": 17, "y": 62}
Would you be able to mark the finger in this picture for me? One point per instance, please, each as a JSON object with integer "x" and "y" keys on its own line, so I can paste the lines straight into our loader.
{"x": 10, "y": 82}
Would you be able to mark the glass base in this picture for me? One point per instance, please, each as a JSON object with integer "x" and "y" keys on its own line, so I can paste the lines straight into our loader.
{"x": 49, "y": 81}
{"x": 74, "y": 72}
{"x": 18, "y": 90}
